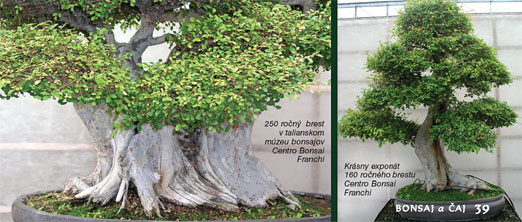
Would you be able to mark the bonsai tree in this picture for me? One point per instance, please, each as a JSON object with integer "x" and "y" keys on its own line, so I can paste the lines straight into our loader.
{"x": 434, "y": 56}
{"x": 178, "y": 130}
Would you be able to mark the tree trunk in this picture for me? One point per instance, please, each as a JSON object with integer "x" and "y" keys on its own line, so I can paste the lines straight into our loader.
{"x": 230, "y": 157}
{"x": 189, "y": 169}
{"x": 439, "y": 175}
{"x": 99, "y": 124}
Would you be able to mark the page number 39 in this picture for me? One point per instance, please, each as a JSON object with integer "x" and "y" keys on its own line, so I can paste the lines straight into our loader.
{"x": 484, "y": 209}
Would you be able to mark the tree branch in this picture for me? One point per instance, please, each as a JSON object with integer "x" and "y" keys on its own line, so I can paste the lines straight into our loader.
{"x": 110, "y": 39}
{"x": 79, "y": 20}
{"x": 143, "y": 37}
{"x": 158, "y": 40}
{"x": 139, "y": 43}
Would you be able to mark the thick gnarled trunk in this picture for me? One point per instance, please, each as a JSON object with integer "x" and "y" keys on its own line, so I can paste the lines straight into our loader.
{"x": 230, "y": 157}
{"x": 220, "y": 172}
{"x": 439, "y": 175}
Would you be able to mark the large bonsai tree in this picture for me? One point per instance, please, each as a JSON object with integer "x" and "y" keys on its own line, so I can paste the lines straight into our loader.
{"x": 434, "y": 55}
{"x": 178, "y": 130}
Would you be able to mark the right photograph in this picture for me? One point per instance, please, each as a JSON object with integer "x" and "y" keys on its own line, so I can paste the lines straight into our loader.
{"x": 429, "y": 110}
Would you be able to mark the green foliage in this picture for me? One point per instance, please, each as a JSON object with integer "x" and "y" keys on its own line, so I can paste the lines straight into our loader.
{"x": 466, "y": 127}
{"x": 237, "y": 25}
{"x": 97, "y": 9}
{"x": 48, "y": 61}
{"x": 415, "y": 192}
{"x": 229, "y": 66}
{"x": 102, "y": 12}
{"x": 434, "y": 54}
{"x": 381, "y": 125}
{"x": 425, "y": 20}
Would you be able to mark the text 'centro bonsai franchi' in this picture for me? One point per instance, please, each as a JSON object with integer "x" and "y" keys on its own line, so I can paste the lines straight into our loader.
{"x": 433, "y": 56}
{"x": 179, "y": 130}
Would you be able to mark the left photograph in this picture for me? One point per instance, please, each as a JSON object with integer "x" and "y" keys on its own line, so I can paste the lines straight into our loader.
{"x": 165, "y": 110}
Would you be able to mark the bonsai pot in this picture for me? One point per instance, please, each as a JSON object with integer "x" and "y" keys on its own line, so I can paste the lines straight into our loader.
{"x": 24, "y": 213}
{"x": 450, "y": 210}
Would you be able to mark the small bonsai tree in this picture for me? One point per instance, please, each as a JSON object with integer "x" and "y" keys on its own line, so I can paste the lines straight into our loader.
{"x": 178, "y": 130}
{"x": 434, "y": 54}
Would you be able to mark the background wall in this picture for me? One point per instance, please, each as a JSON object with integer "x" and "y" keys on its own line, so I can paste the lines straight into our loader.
{"x": 502, "y": 167}
{"x": 42, "y": 143}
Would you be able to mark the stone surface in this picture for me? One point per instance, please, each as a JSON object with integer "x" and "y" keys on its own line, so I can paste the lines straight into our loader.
{"x": 508, "y": 30}
{"x": 511, "y": 93}
{"x": 351, "y": 65}
{"x": 25, "y": 171}
{"x": 6, "y": 217}
{"x": 28, "y": 168}
{"x": 362, "y": 36}
{"x": 348, "y": 93}
{"x": 27, "y": 120}
{"x": 510, "y": 57}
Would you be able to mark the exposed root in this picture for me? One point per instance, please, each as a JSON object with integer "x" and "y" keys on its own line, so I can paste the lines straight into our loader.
{"x": 227, "y": 157}
{"x": 465, "y": 183}
{"x": 122, "y": 194}
{"x": 159, "y": 168}
{"x": 104, "y": 191}
{"x": 290, "y": 199}
{"x": 460, "y": 182}
{"x": 75, "y": 185}
{"x": 222, "y": 174}
{"x": 432, "y": 186}
{"x": 144, "y": 182}
{"x": 180, "y": 183}
{"x": 109, "y": 187}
